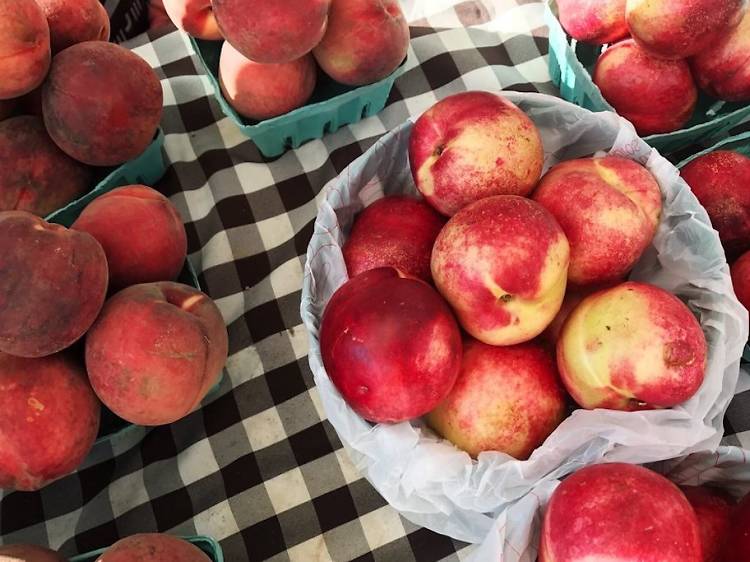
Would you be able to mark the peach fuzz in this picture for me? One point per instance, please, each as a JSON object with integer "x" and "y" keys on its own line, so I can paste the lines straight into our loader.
{"x": 502, "y": 264}
{"x": 676, "y": 30}
{"x": 722, "y": 69}
{"x": 609, "y": 209}
{"x": 49, "y": 418}
{"x": 24, "y": 47}
{"x": 619, "y": 512}
{"x": 75, "y": 21}
{"x": 141, "y": 232}
{"x": 28, "y": 553}
{"x": 593, "y": 21}
{"x": 272, "y": 32}
{"x": 741, "y": 279}
{"x": 155, "y": 351}
{"x": 35, "y": 175}
{"x": 721, "y": 182}
{"x": 195, "y": 17}
{"x": 506, "y": 399}
{"x": 261, "y": 91}
{"x": 472, "y": 145}
{"x": 52, "y": 284}
{"x": 365, "y": 41}
{"x": 395, "y": 231}
{"x": 631, "y": 347}
{"x": 657, "y": 96}
{"x": 153, "y": 547}
{"x": 390, "y": 345}
{"x": 91, "y": 120}
{"x": 713, "y": 509}
{"x": 737, "y": 544}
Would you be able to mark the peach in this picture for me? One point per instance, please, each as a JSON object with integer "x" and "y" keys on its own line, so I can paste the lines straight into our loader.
{"x": 655, "y": 95}
{"x": 619, "y": 512}
{"x": 28, "y": 553}
{"x": 721, "y": 182}
{"x": 35, "y": 175}
{"x": 472, "y": 145}
{"x": 195, "y": 17}
{"x": 365, "y": 41}
{"x": 502, "y": 264}
{"x": 390, "y": 345}
{"x": 75, "y": 21}
{"x": 141, "y": 233}
{"x": 52, "y": 284}
{"x": 155, "y": 351}
{"x": 594, "y": 21}
{"x": 676, "y": 30}
{"x": 631, "y": 347}
{"x": 24, "y": 47}
{"x": 261, "y": 91}
{"x": 722, "y": 69}
{"x": 395, "y": 231}
{"x": 741, "y": 279}
{"x": 272, "y": 32}
{"x": 101, "y": 103}
{"x": 506, "y": 399}
{"x": 573, "y": 296}
{"x": 609, "y": 209}
{"x": 49, "y": 418}
{"x": 713, "y": 509}
{"x": 153, "y": 547}
{"x": 737, "y": 545}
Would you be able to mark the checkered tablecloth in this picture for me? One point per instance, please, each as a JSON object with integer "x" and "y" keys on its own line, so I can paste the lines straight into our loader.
{"x": 258, "y": 467}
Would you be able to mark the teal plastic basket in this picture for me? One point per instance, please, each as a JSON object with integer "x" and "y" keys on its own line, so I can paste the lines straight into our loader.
{"x": 331, "y": 106}
{"x": 146, "y": 169}
{"x": 206, "y": 544}
{"x": 738, "y": 143}
{"x": 571, "y": 64}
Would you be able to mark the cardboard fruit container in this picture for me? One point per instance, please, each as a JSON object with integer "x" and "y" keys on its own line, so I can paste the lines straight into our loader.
{"x": 331, "y": 106}
{"x": 206, "y": 544}
{"x": 571, "y": 64}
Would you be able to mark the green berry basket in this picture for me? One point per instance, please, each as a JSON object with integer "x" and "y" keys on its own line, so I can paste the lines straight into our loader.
{"x": 571, "y": 65}
{"x": 206, "y": 544}
{"x": 146, "y": 169}
{"x": 738, "y": 143}
{"x": 331, "y": 106}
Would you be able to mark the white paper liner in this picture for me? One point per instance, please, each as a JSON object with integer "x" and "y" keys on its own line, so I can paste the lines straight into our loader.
{"x": 435, "y": 485}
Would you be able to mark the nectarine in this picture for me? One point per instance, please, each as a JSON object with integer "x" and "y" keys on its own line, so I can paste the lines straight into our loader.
{"x": 593, "y": 21}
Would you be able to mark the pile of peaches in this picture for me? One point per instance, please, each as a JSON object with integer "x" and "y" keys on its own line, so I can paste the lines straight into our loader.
{"x": 70, "y": 102}
{"x": 498, "y": 295}
{"x": 268, "y": 61}
{"x": 660, "y": 52}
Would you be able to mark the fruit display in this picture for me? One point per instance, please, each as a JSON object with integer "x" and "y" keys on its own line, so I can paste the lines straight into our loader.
{"x": 660, "y": 64}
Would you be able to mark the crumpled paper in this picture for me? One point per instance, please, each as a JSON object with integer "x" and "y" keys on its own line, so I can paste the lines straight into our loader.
{"x": 435, "y": 485}
{"x": 515, "y": 535}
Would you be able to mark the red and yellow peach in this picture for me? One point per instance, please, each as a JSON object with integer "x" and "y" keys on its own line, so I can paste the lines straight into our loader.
{"x": 261, "y": 91}
{"x": 593, "y": 21}
{"x": 75, "y": 21}
{"x": 195, "y": 17}
{"x": 741, "y": 279}
{"x": 24, "y": 47}
{"x": 390, "y": 345}
{"x": 502, "y": 264}
{"x": 474, "y": 145}
{"x": 609, "y": 209}
{"x": 482, "y": 411}
{"x": 713, "y": 510}
{"x": 631, "y": 347}
{"x": 365, "y": 41}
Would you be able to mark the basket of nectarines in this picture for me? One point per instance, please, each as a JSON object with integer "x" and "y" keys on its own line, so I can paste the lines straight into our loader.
{"x": 676, "y": 70}
{"x": 293, "y": 71}
{"x": 508, "y": 289}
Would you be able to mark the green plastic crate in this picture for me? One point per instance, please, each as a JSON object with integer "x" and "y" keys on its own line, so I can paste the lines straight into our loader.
{"x": 571, "y": 64}
{"x": 206, "y": 544}
{"x": 331, "y": 106}
{"x": 146, "y": 169}
{"x": 738, "y": 143}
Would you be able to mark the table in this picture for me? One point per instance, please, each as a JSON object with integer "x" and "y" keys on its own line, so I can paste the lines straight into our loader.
{"x": 258, "y": 467}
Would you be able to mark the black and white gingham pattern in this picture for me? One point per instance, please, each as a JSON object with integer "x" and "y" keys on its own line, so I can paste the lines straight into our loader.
{"x": 258, "y": 467}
